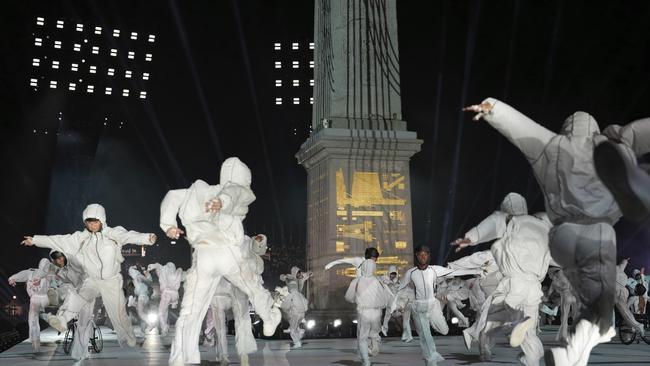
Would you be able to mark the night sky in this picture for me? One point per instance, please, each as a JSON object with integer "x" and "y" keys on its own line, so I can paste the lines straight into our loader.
{"x": 211, "y": 95}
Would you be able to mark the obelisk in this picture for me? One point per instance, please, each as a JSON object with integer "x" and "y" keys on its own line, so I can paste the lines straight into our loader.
{"x": 357, "y": 156}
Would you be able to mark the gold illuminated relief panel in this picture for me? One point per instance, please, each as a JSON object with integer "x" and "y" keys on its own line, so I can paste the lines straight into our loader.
{"x": 371, "y": 208}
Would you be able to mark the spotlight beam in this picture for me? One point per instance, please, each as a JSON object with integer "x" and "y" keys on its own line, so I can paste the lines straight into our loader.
{"x": 180, "y": 27}
{"x": 258, "y": 118}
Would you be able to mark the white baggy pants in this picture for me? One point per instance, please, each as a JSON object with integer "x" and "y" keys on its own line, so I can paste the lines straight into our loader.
{"x": 428, "y": 313}
{"x": 210, "y": 263}
{"x": 80, "y": 305}
{"x": 368, "y": 327}
{"x": 168, "y": 297}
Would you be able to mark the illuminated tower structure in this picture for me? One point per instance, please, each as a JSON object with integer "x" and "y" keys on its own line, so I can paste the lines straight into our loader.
{"x": 357, "y": 156}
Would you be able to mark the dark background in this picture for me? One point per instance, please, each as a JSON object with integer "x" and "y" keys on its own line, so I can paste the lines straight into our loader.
{"x": 211, "y": 95}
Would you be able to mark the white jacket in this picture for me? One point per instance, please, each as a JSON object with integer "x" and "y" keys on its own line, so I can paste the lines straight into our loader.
{"x": 141, "y": 281}
{"x": 521, "y": 249}
{"x": 562, "y": 163}
{"x": 37, "y": 281}
{"x": 223, "y": 227}
{"x": 367, "y": 291}
{"x": 99, "y": 254}
{"x": 169, "y": 276}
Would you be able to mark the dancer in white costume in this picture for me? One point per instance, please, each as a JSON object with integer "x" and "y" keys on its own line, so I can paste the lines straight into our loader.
{"x": 68, "y": 274}
{"x": 401, "y": 304}
{"x": 639, "y": 287}
{"x": 522, "y": 254}
{"x": 141, "y": 283}
{"x": 371, "y": 296}
{"x": 622, "y": 295}
{"x": 427, "y": 311}
{"x": 451, "y": 293}
{"x": 169, "y": 278}
{"x": 212, "y": 216}
{"x": 37, "y": 282}
{"x": 97, "y": 249}
{"x": 483, "y": 286}
{"x": 229, "y": 297}
{"x": 295, "y": 305}
{"x": 581, "y": 206}
{"x": 568, "y": 301}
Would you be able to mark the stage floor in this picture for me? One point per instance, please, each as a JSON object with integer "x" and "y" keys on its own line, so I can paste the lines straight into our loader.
{"x": 153, "y": 351}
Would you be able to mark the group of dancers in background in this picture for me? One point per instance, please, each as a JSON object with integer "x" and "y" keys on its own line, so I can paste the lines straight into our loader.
{"x": 589, "y": 180}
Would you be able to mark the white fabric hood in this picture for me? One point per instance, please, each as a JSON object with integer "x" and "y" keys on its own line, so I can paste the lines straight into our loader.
{"x": 514, "y": 204}
{"x": 581, "y": 124}
{"x": 95, "y": 211}
{"x": 367, "y": 268}
{"x": 235, "y": 171}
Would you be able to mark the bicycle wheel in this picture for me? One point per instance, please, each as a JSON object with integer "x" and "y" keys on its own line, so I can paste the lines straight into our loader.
{"x": 68, "y": 339}
{"x": 97, "y": 342}
{"x": 626, "y": 334}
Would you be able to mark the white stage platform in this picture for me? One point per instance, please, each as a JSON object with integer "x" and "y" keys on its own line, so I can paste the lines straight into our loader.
{"x": 154, "y": 350}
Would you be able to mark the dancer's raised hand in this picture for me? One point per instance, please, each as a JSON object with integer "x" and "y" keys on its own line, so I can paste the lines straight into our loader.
{"x": 460, "y": 243}
{"x": 481, "y": 110}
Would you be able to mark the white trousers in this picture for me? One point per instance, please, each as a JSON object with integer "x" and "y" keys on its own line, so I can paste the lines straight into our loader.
{"x": 502, "y": 317}
{"x": 36, "y": 304}
{"x": 368, "y": 327}
{"x": 210, "y": 263}
{"x": 168, "y": 297}
{"x": 426, "y": 314}
{"x": 80, "y": 305}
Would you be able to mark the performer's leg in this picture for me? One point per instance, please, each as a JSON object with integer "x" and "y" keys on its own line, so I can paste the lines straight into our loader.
{"x": 115, "y": 304}
{"x": 588, "y": 253}
{"x": 200, "y": 285}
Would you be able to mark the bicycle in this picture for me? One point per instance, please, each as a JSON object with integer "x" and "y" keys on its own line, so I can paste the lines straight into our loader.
{"x": 96, "y": 339}
{"x": 628, "y": 334}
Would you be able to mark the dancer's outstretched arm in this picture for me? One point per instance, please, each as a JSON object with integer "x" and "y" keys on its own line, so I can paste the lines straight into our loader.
{"x": 528, "y": 136}
{"x": 353, "y": 261}
{"x": 22, "y": 276}
{"x": 68, "y": 244}
{"x": 492, "y": 227}
{"x": 123, "y": 237}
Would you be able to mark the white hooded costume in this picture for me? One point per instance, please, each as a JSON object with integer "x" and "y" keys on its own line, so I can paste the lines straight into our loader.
{"x": 370, "y": 295}
{"x": 401, "y": 304}
{"x": 99, "y": 255}
{"x": 451, "y": 293}
{"x": 216, "y": 241}
{"x": 426, "y": 308}
{"x": 141, "y": 284}
{"x": 521, "y": 252}
{"x": 37, "y": 282}
{"x": 228, "y": 297}
{"x": 568, "y": 300}
{"x": 295, "y": 304}
{"x": 622, "y": 295}
{"x": 483, "y": 286}
{"x": 170, "y": 279}
{"x": 582, "y": 211}
{"x": 68, "y": 278}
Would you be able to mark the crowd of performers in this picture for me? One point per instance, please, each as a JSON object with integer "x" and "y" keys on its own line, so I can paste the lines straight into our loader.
{"x": 589, "y": 180}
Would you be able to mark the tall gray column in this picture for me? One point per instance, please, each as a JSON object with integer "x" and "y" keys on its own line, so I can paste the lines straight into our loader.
{"x": 357, "y": 157}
